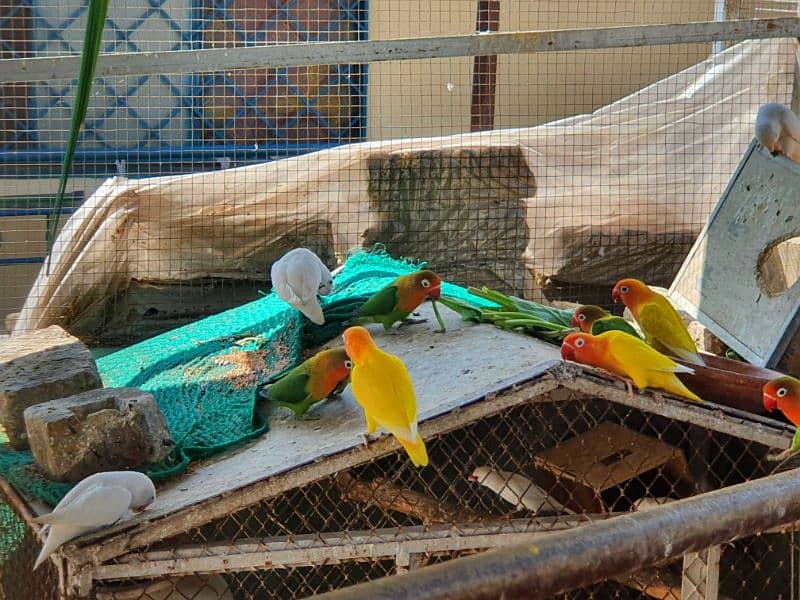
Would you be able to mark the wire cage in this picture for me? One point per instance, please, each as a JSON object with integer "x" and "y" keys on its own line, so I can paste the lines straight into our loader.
{"x": 583, "y": 448}
{"x": 547, "y": 166}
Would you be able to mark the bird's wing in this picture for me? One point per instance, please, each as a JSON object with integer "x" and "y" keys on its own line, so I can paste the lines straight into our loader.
{"x": 290, "y": 389}
{"x": 385, "y": 388}
{"x": 380, "y": 303}
{"x": 96, "y": 506}
{"x": 662, "y": 324}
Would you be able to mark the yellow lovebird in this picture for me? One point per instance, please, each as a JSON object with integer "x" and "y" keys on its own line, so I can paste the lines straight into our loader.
{"x": 382, "y": 386}
{"x": 660, "y": 322}
{"x": 625, "y": 355}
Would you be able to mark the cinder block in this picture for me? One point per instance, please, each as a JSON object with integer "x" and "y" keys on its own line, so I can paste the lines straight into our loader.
{"x": 98, "y": 430}
{"x": 39, "y": 366}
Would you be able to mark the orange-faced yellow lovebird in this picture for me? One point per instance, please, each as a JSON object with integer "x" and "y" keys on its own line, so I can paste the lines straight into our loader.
{"x": 595, "y": 320}
{"x": 783, "y": 393}
{"x": 382, "y": 386}
{"x": 629, "y": 357}
{"x": 399, "y": 299}
{"x": 324, "y": 374}
{"x": 661, "y": 324}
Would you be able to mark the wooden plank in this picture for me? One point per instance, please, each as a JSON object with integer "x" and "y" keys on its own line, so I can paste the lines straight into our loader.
{"x": 332, "y": 548}
{"x": 325, "y": 53}
{"x": 700, "y": 580}
{"x": 295, "y": 453}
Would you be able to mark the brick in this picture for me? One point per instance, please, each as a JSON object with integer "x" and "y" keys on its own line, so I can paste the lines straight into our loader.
{"x": 98, "y": 430}
{"x": 39, "y": 366}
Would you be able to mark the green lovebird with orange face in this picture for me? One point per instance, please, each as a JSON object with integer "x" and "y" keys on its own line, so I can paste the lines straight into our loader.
{"x": 399, "y": 299}
{"x": 595, "y": 320}
{"x": 323, "y": 375}
{"x": 661, "y": 324}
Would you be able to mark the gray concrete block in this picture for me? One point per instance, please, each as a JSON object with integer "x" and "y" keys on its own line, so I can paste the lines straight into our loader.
{"x": 39, "y": 366}
{"x": 98, "y": 430}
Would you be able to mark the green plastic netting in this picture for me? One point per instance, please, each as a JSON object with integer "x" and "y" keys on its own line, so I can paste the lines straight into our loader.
{"x": 204, "y": 375}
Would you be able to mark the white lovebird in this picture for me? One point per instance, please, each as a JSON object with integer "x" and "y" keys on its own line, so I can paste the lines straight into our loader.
{"x": 778, "y": 130}
{"x": 297, "y": 277}
{"x": 99, "y": 500}
{"x": 517, "y": 489}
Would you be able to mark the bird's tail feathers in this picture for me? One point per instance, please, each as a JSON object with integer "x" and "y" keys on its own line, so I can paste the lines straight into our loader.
{"x": 313, "y": 311}
{"x": 691, "y": 357}
{"x": 416, "y": 451}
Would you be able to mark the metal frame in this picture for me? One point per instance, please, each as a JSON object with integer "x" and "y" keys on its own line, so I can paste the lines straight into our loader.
{"x": 573, "y": 558}
{"x": 557, "y": 383}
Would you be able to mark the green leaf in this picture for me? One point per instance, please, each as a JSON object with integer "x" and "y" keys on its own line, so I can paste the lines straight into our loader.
{"x": 95, "y": 21}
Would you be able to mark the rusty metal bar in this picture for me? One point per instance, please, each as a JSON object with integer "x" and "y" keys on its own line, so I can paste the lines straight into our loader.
{"x": 571, "y": 559}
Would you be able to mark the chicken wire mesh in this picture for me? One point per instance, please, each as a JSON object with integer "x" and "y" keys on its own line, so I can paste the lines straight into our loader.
{"x": 167, "y": 123}
{"x": 586, "y": 457}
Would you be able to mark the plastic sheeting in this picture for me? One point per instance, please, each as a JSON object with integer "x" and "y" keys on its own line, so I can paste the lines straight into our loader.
{"x": 651, "y": 165}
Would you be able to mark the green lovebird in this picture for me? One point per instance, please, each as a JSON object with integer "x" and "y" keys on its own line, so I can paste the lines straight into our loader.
{"x": 595, "y": 320}
{"x": 323, "y": 375}
{"x": 399, "y": 299}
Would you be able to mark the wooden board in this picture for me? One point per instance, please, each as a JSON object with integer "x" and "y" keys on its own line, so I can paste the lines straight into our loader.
{"x": 721, "y": 283}
{"x": 449, "y": 370}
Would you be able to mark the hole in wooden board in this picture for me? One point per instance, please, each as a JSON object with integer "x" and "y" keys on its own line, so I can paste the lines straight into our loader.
{"x": 779, "y": 266}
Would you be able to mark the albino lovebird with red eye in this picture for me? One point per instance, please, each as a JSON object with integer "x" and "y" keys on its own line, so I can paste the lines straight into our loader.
{"x": 630, "y": 357}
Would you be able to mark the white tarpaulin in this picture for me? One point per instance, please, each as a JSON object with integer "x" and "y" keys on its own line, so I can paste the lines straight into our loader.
{"x": 653, "y": 163}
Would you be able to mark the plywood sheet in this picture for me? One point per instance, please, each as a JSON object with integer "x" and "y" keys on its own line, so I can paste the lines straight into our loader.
{"x": 449, "y": 370}
{"x": 721, "y": 283}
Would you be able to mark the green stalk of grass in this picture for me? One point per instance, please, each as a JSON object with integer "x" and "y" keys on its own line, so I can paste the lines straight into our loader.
{"x": 95, "y": 21}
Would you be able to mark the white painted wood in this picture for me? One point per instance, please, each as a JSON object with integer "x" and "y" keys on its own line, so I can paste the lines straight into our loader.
{"x": 718, "y": 283}
{"x": 216, "y": 59}
{"x": 449, "y": 370}
{"x": 400, "y": 543}
{"x": 700, "y": 579}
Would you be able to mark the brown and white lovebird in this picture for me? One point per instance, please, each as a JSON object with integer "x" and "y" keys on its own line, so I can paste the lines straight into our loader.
{"x": 382, "y": 386}
{"x": 629, "y": 357}
{"x": 661, "y": 324}
{"x": 399, "y": 299}
{"x": 98, "y": 501}
{"x": 298, "y": 277}
{"x": 323, "y": 375}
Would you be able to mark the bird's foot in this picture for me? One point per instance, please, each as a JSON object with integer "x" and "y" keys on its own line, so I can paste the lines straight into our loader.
{"x": 789, "y": 452}
{"x": 366, "y": 438}
{"x": 411, "y": 322}
{"x": 630, "y": 388}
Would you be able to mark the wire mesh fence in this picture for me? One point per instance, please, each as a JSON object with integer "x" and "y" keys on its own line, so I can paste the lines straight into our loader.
{"x": 538, "y": 467}
{"x": 172, "y": 123}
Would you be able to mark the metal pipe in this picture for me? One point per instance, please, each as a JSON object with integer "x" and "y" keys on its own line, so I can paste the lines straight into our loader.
{"x": 574, "y": 558}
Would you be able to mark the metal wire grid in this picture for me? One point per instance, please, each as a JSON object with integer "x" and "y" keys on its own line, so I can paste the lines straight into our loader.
{"x": 388, "y": 500}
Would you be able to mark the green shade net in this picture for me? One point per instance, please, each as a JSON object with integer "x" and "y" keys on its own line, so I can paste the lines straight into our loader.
{"x": 204, "y": 375}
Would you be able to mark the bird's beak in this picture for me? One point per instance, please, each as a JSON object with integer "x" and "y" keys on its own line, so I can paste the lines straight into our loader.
{"x": 770, "y": 402}
{"x": 575, "y": 322}
{"x": 473, "y": 477}
{"x": 435, "y": 292}
{"x": 139, "y": 509}
{"x": 616, "y": 296}
{"x": 567, "y": 352}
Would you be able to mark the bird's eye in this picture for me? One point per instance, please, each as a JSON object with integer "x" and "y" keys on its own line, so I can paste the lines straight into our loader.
{"x": 624, "y": 289}
{"x": 348, "y": 364}
{"x": 781, "y": 392}
{"x": 581, "y": 317}
{"x": 579, "y": 342}
{"x": 425, "y": 283}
